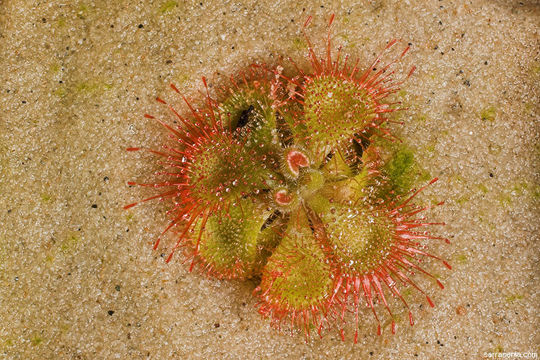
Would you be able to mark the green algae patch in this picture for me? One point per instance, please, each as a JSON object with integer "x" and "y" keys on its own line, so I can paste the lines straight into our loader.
{"x": 521, "y": 188}
{"x": 46, "y": 198}
{"x": 406, "y": 293}
{"x": 529, "y": 108}
{"x": 399, "y": 166}
{"x": 422, "y": 118}
{"x": 462, "y": 259}
{"x": 494, "y": 149}
{"x": 483, "y": 188}
{"x": 69, "y": 244}
{"x": 61, "y": 22}
{"x": 536, "y": 192}
{"x": 462, "y": 200}
{"x": 430, "y": 148}
{"x": 513, "y": 298}
{"x": 402, "y": 93}
{"x": 36, "y": 340}
{"x": 168, "y": 6}
{"x": 299, "y": 43}
{"x": 350, "y": 43}
{"x": 84, "y": 10}
{"x": 49, "y": 259}
{"x": 488, "y": 113}
{"x": 54, "y": 68}
{"x": 91, "y": 87}
{"x": 182, "y": 78}
{"x": 60, "y": 92}
{"x": 505, "y": 199}
{"x": 402, "y": 169}
{"x": 7, "y": 343}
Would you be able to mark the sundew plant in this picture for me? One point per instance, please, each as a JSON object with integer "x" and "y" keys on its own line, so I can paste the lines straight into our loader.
{"x": 286, "y": 177}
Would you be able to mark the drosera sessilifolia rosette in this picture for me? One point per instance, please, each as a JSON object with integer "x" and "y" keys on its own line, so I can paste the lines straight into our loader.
{"x": 276, "y": 177}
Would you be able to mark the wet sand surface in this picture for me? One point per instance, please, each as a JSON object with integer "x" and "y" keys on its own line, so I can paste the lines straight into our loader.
{"x": 78, "y": 276}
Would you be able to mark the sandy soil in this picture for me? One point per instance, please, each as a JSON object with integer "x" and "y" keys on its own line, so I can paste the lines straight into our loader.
{"x": 78, "y": 277}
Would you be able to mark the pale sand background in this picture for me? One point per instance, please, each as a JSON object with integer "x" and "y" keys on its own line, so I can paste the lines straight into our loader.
{"x": 81, "y": 282}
